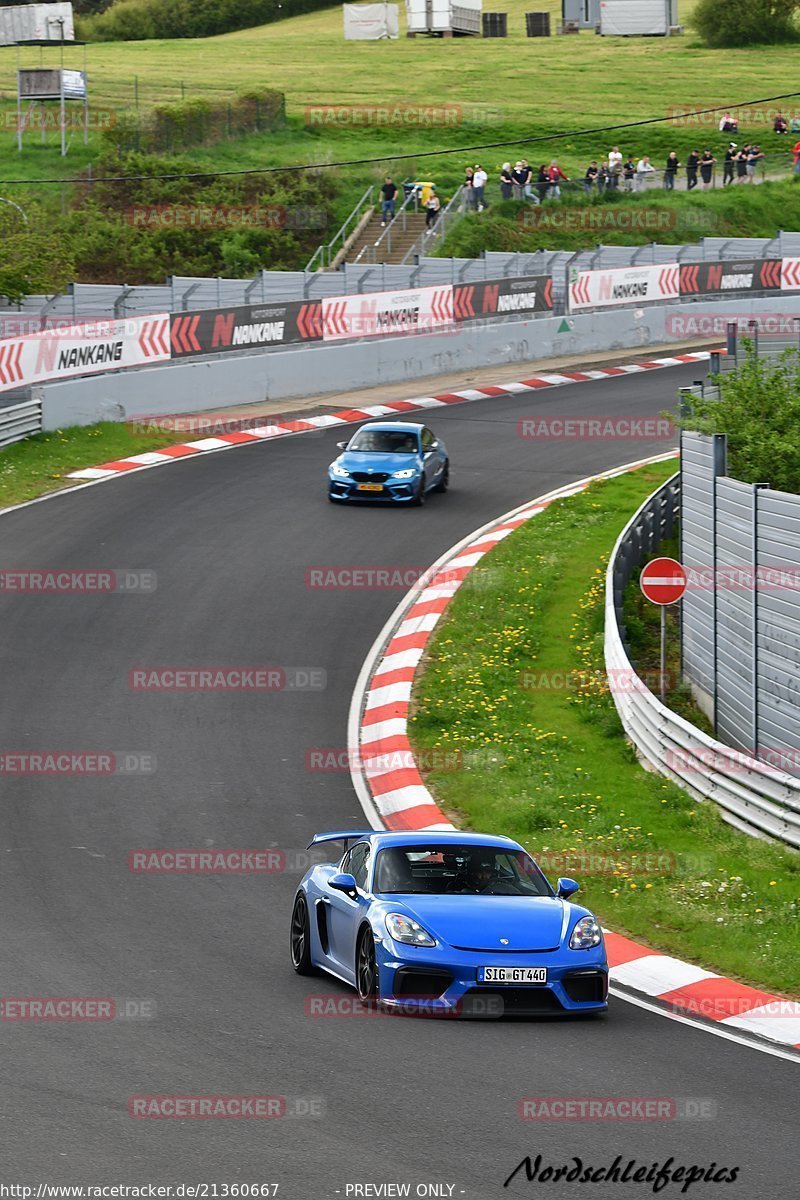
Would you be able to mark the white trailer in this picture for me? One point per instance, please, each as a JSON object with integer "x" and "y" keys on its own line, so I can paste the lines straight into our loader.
{"x": 637, "y": 18}
{"x": 443, "y": 17}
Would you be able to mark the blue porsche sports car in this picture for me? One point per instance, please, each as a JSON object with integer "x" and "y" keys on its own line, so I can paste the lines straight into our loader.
{"x": 448, "y": 921}
{"x": 394, "y": 461}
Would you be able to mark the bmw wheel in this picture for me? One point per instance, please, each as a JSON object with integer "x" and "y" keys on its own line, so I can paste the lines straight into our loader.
{"x": 444, "y": 482}
{"x": 300, "y": 938}
{"x": 366, "y": 969}
{"x": 419, "y": 495}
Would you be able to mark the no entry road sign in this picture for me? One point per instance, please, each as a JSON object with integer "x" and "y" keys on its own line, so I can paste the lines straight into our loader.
{"x": 663, "y": 581}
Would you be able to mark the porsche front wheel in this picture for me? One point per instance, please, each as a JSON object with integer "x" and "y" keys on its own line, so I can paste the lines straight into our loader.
{"x": 300, "y": 938}
{"x": 366, "y": 969}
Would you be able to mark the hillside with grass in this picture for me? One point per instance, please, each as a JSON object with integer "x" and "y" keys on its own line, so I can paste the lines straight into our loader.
{"x": 444, "y": 104}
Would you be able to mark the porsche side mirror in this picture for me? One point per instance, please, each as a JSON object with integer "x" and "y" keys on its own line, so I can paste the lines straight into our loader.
{"x": 343, "y": 882}
{"x": 566, "y": 888}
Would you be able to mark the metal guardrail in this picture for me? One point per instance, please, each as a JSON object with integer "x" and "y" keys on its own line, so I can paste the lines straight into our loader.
{"x": 428, "y": 236}
{"x": 369, "y": 253}
{"x": 18, "y": 421}
{"x": 752, "y": 796}
{"x": 327, "y": 252}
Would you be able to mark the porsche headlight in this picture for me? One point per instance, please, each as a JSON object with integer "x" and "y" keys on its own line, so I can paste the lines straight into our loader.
{"x": 585, "y": 935}
{"x": 340, "y": 471}
{"x": 403, "y": 929}
{"x": 406, "y": 473}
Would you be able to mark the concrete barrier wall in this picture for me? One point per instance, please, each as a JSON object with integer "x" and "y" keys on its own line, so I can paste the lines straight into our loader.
{"x": 230, "y": 381}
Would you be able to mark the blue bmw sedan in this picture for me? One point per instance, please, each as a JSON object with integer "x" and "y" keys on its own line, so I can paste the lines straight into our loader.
{"x": 394, "y": 461}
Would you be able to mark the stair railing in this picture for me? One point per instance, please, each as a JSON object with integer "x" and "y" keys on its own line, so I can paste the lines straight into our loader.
{"x": 324, "y": 255}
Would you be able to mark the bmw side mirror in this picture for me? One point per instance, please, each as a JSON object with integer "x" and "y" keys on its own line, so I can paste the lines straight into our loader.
{"x": 341, "y": 445}
{"x": 343, "y": 882}
{"x": 566, "y": 888}
{"x": 434, "y": 445}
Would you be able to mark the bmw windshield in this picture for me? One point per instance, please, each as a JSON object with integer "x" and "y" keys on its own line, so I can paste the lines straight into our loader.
{"x": 384, "y": 441}
{"x": 438, "y": 870}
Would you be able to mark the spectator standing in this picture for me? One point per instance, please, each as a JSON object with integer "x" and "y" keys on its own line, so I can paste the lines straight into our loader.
{"x": 707, "y": 161}
{"x": 590, "y": 178}
{"x": 780, "y": 124}
{"x": 671, "y": 170}
{"x": 603, "y": 178}
{"x": 628, "y": 173}
{"x": 643, "y": 168}
{"x": 506, "y": 182}
{"x": 614, "y": 167}
{"x": 753, "y": 159}
{"x": 479, "y": 180}
{"x": 542, "y": 183}
{"x": 468, "y": 193}
{"x": 730, "y": 164}
{"x": 388, "y": 197}
{"x": 796, "y": 156}
{"x": 555, "y": 175}
{"x": 432, "y": 206}
{"x": 527, "y": 189}
{"x": 692, "y": 163}
{"x": 741, "y": 163}
{"x": 518, "y": 175}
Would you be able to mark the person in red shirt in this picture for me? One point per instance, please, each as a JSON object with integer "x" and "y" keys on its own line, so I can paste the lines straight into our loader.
{"x": 554, "y": 174}
{"x": 796, "y": 153}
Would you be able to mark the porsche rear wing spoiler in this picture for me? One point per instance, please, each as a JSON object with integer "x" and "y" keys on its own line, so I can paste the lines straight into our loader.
{"x": 340, "y": 835}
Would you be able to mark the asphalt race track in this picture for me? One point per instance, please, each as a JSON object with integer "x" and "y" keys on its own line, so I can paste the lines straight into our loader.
{"x": 230, "y": 537}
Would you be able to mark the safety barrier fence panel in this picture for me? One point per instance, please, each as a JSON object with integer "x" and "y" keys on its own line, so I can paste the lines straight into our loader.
{"x": 19, "y": 421}
{"x": 753, "y": 795}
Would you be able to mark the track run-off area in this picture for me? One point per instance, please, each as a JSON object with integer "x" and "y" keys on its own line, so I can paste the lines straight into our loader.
{"x": 231, "y": 540}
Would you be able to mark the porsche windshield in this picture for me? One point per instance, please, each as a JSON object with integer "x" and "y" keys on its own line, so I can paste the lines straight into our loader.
{"x": 476, "y": 870}
{"x": 385, "y": 441}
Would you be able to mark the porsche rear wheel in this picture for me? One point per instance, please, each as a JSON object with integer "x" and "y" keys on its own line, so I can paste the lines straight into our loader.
{"x": 366, "y": 969}
{"x": 300, "y": 938}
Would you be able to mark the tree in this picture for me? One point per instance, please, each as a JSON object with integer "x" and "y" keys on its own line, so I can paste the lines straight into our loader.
{"x": 759, "y": 409}
{"x": 725, "y": 23}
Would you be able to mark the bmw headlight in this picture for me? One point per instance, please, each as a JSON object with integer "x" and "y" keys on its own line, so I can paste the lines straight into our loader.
{"x": 339, "y": 471}
{"x": 406, "y": 473}
{"x": 403, "y": 929}
{"x": 585, "y": 935}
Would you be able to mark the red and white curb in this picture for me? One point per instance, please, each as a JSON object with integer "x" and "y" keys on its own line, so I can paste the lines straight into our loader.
{"x": 394, "y": 796}
{"x": 349, "y": 416}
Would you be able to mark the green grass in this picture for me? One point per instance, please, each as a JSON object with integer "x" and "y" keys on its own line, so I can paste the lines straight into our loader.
{"x": 41, "y": 464}
{"x": 550, "y": 766}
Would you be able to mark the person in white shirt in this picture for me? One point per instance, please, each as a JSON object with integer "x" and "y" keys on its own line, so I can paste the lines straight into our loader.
{"x": 478, "y": 184}
{"x": 643, "y": 168}
{"x": 614, "y": 167}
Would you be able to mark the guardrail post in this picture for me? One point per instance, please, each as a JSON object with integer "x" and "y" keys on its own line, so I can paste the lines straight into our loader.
{"x": 715, "y": 363}
{"x": 754, "y": 644}
{"x": 731, "y": 341}
{"x": 753, "y": 327}
{"x": 720, "y": 467}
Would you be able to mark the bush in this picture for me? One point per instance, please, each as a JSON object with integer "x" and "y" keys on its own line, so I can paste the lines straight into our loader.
{"x": 166, "y": 127}
{"x": 759, "y": 410}
{"x": 141, "y": 20}
{"x": 726, "y": 23}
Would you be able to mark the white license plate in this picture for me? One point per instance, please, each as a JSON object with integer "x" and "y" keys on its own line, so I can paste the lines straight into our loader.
{"x": 512, "y": 974}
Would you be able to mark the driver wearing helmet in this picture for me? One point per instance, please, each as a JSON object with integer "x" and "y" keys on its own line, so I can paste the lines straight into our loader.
{"x": 480, "y": 875}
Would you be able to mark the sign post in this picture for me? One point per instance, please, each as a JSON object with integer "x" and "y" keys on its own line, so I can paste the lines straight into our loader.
{"x": 663, "y": 582}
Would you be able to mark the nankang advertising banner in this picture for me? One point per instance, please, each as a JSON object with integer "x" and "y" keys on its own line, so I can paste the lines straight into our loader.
{"x": 381, "y": 314}
{"x": 623, "y": 285}
{"x": 731, "y": 275}
{"x": 244, "y": 327}
{"x": 86, "y": 349}
{"x": 502, "y": 297}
